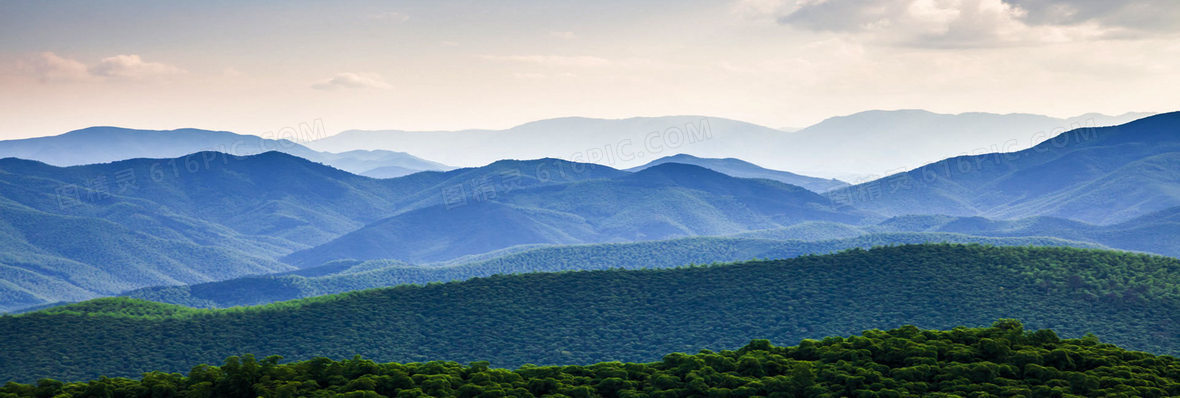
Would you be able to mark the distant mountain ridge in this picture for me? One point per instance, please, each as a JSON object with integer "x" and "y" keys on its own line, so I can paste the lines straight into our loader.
{"x": 210, "y": 216}
{"x": 207, "y": 216}
{"x": 1101, "y": 175}
{"x": 918, "y": 136}
{"x": 871, "y": 143}
{"x": 664, "y": 201}
{"x": 105, "y": 144}
{"x": 743, "y": 169}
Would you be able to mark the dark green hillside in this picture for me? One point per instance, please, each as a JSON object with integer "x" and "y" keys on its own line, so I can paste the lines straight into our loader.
{"x": 1003, "y": 360}
{"x": 638, "y": 315}
{"x": 344, "y": 276}
{"x": 1101, "y": 175}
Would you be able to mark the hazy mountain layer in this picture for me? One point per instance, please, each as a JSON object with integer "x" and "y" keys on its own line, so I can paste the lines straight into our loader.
{"x": 873, "y": 143}
{"x": 110, "y": 144}
{"x": 1096, "y": 175}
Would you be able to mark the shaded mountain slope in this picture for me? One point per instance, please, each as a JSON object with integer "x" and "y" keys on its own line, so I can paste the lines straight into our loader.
{"x": 105, "y": 144}
{"x": 1100, "y": 175}
{"x": 743, "y": 169}
{"x": 666, "y": 201}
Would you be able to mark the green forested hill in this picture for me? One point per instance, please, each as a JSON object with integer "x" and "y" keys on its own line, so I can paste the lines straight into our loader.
{"x": 1003, "y": 360}
{"x": 344, "y": 276}
{"x": 627, "y": 315}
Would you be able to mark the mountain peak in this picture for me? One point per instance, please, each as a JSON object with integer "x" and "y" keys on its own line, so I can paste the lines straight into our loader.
{"x": 742, "y": 169}
{"x": 99, "y": 130}
{"x": 670, "y": 168}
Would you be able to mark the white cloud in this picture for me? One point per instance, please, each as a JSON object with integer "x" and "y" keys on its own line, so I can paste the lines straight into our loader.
{"x": 580, "y": 61}
{"x": 133, "y": 67}
{"x": 52, "y": 67}
{"x": 348, "y": 80}
{"x": 926, "y": 23}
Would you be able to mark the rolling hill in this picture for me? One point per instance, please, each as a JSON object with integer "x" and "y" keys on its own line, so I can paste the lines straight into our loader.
{"x": 624, "y": 315}
{"x": 1097, "y": 175}
{"x": 661, "y": 202}
{"x": 1001, "y": 360}
{"x": 348, "y": 275}
{"x": 85, "y": 231}
{"x": 209, "y": 216}
{"x": 743, "y": 169}
{"x": 1153, "y": 233}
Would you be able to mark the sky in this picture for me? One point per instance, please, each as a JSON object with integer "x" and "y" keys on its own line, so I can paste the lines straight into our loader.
{"x": 255, "y": 67}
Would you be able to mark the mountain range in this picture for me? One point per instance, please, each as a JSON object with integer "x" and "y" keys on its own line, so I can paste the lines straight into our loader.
{"x": 664, "y": 201}
{"x": 211, "y": 216}
{"x": 207, "y": 217}
{"x": 1153, "y": 233}
{"x": 853, "y": 148}
{"x": 1100, "y": 175}
{"x": 105, "y": 144}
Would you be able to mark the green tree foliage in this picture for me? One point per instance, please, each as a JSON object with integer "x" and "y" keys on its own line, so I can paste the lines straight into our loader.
{"x": 903, "y": 362}
{"x": 637, "y": 315}
{"x": 345, "y": 275}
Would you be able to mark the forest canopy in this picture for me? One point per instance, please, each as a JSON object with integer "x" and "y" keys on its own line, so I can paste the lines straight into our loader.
{"x": 1002, "y": 360}
{"x": 581, "y": 318}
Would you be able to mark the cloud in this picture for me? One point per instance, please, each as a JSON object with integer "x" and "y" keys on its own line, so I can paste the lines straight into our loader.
{"x": 580, "y": 61}
{"x": 350, "y": 80}
{"x": 1134, "y": 16}
{"x": 52, "y": 67}
{"x": 958, "y": 23}
{"x": 132, "y": 67}
{"x": 563, "y": 35}
{"x": 390, "y": 16}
